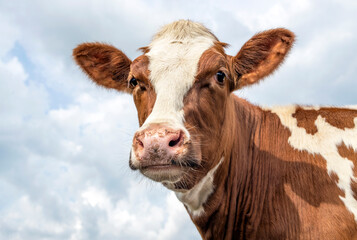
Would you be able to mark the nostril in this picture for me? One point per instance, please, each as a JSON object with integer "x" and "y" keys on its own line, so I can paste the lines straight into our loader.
{"x": 139, "y": 142}
{"x": 174, "y": 142}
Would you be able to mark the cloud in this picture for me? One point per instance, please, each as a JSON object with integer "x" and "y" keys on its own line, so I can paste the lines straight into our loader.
{"x": 64, "y": 142}
{"x": 65, "y": 171}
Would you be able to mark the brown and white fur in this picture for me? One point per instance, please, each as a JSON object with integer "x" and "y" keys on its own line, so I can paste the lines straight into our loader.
{"x": 242, "y": 171}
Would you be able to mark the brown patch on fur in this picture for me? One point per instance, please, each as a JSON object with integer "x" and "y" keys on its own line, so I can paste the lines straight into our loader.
{"x": 354, "y": 188}
{"x": 351, "y": 154}
{"x": 211, "y": 61}
{"x": 335, "y": 179}
{"x": 104, "y": 64}
{"x": 140, "y": 69}
{"x": 261, "y": 55}
{"x": 347, "y": 152}
{"x": 341, "y": 118}
{"x": 143, "y": 94}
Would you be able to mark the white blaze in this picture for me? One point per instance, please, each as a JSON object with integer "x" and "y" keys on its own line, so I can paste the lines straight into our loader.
{"x": 174, "y": 55}
{"x": 325, "y": 143}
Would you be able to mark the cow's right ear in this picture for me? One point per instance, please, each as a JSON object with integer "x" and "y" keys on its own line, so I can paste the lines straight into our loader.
{"x": 104, "y": 64}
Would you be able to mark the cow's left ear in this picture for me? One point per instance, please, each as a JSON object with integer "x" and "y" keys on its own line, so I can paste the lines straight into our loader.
{"x": 104, "y": 64}
{"x": 260, "y": 56}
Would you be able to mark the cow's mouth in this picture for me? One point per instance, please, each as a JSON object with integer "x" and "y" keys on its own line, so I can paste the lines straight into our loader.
{"x": 159, "y": 167}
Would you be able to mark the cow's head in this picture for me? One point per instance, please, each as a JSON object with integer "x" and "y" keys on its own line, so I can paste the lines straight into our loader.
{"x": 182, "y": 87}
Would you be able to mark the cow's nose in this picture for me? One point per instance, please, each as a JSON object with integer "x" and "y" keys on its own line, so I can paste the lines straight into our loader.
{"x": 161, "y": 141}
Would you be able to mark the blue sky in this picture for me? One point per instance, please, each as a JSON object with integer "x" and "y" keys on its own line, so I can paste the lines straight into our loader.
{"x": 64, "y": 142}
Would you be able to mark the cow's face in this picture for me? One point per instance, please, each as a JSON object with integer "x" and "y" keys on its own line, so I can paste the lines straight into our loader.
{"x": 182, "y": 87}
{"x": 181, "y": 110}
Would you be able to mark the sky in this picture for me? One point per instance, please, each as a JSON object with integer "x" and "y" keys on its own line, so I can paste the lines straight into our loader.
{"x": 65, "y": 142}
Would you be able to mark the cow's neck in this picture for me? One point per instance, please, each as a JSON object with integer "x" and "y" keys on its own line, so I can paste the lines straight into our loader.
{"x": 237, "y": 173}
{"x": 263, "y": 179}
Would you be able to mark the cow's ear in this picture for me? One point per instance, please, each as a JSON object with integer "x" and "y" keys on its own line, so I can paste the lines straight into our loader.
{"x": 104, "y": 64}
{"x": 260, "y": 56}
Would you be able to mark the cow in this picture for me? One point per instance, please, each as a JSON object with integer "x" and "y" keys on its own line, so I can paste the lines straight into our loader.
{"x": 242, "y": 171}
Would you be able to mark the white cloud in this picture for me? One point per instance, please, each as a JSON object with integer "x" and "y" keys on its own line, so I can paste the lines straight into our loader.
{"x": 68, "y": 167}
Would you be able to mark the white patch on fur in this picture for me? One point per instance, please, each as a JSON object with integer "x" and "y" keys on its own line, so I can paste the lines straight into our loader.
{"x": 198, "y": 195}
{"x": 354, "y": 107}
{"x": 325, "y": 143}
{"x": 174, "y": 55}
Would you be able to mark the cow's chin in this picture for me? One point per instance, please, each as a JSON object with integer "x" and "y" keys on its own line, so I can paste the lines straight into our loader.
{"x": 170, "y": 171}
{"x": 164, "y": 173}
{"x": 175, "y": 174}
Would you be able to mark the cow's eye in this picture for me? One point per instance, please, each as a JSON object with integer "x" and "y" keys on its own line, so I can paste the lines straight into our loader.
{"x": 220, "y": 76}
{"x": 133, "y": 82}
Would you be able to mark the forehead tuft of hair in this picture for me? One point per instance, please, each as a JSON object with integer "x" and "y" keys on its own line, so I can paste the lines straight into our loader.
{"x": 184, "y": 29}
{"x": 144, "y": 50}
